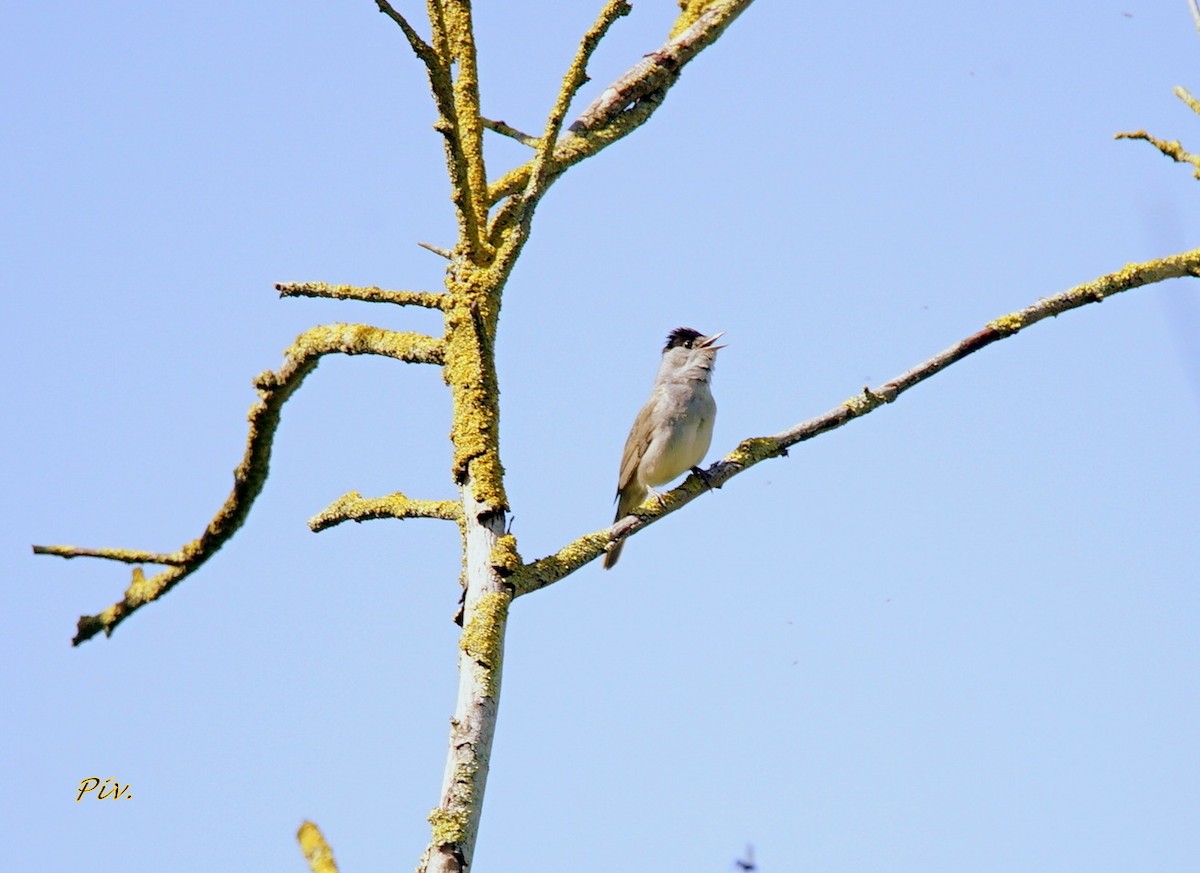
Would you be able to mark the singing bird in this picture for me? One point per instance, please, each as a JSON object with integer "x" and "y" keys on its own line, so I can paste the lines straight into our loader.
{"x": 674, "y": 429}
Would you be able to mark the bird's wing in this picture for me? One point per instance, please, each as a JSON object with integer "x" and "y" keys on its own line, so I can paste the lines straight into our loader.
{"x": 635, "y": 446}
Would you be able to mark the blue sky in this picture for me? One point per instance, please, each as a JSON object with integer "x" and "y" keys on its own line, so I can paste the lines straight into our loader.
{"x": 960, "y": 634}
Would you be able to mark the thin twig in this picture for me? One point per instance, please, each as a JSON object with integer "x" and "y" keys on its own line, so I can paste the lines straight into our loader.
{"x": 125, "y": 556}
{"x": 548, "y": 570}
{"x": 506, "y": 130}
{"x": 1171, "y": 148}
{"x": 449, "y": 256}
{"x": 371, "y": 294}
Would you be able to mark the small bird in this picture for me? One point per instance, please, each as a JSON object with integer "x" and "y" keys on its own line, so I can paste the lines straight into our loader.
{"x": 672, "y": 432}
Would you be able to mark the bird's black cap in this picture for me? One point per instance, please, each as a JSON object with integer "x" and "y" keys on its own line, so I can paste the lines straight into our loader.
{"x": 682, "y": 336}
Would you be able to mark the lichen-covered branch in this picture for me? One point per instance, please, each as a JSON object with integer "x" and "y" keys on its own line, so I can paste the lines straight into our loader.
{"x": 274, "y": 388}
{"x": 371, "y": 294}
{"x": 423, "y": 50}
{"x": 1173, "y": 149}
{"x": 1186, "y": 96}
{"x": 452, "y": 47}
{"x": 354, "y": 507}
{"x": 545, "y": 571}
{"x": 316, "y": 851}
{"x": 643, "y": 86}
{"x": 572, "y": 81}
{"x": 460, "y": 30}
{"x": 456, "y": 94}
{"x": 125, "y": 556}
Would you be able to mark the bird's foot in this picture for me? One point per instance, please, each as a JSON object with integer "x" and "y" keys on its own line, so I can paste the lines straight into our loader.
{"x": 702, "y": 475}
{"x": 662, "y": 500}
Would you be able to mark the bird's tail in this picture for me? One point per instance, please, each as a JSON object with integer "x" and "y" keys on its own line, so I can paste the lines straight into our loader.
{"x": 627, "y": 500}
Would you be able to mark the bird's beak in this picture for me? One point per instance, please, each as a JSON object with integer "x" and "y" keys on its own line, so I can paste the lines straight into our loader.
{"x": 709, "y": 340}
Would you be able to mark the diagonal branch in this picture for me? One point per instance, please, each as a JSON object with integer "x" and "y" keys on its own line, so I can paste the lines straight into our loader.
{"x": 574, "y": 79}
{"x": 511, "y": 132}
{"x": 423, "y": 50}
{"x": 548, "y": 570}
{"x": 274, "y": 389}
{"x": 371, "y": 294}
{"x": 629, "y": 101}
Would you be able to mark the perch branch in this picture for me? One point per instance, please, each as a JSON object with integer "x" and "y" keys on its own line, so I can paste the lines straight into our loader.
{"x": 372, "y": 294}
{"x": 274, "y": 388}
{"x": 354, "y": 507}
{"x": 545, "y": 571}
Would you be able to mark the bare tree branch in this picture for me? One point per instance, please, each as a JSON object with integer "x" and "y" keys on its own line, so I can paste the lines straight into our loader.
{"x": 511, "y": 132}
{"x": 354, "y": 507}
{"x": 421, "y": 49}
{"x": 125, "y": 556}
{"x": 371, "y": 294}
{"x": 548, "y": 570}
{"x": 643, "y": 86}
{"x": 1173, "y": 149}
{"x": 442, "y": 253}
{"x": 316, "y": 851}
{"x": 459, "y": 124}
{"x": 274, "y": 389}
{"x": 1186, "y": 96}
{"x": 572, "y": 81}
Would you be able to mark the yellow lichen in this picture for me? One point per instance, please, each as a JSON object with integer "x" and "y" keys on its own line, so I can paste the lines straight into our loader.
{"x": 753, "y": 450}
{"x": 483, "y": 636}
{"x": 449, "y": 828}
{"x": 689, "y": 12}
{"x": 1007, "y": 324}
{"x": 505, "y": 557}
